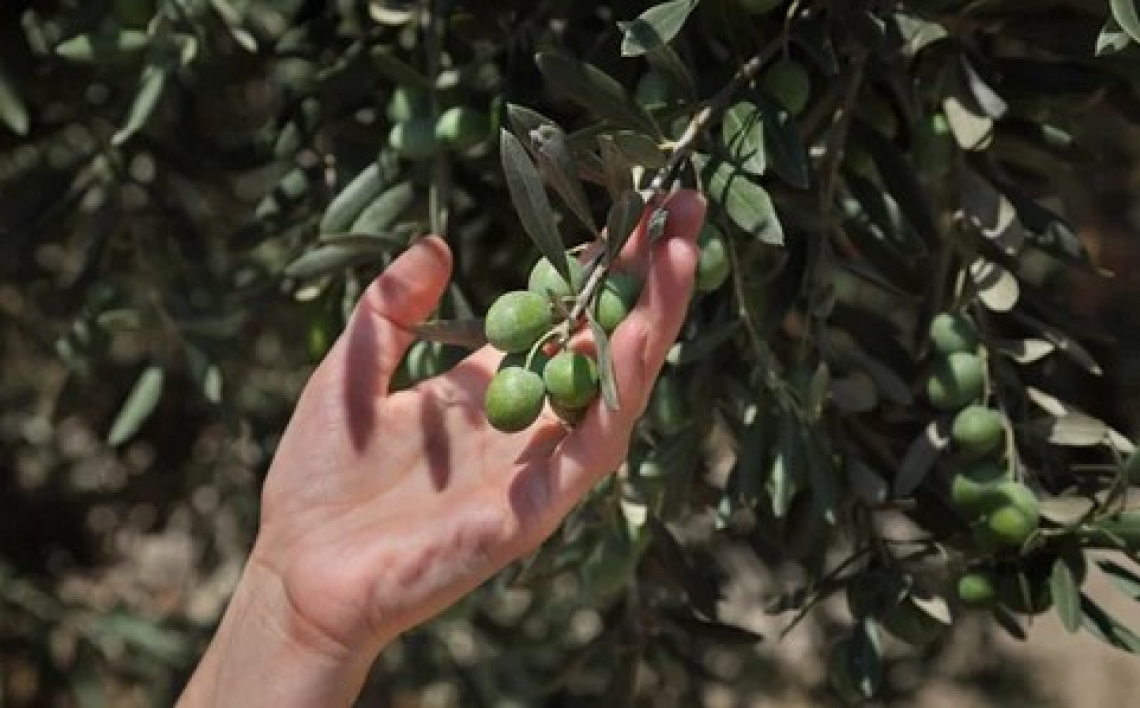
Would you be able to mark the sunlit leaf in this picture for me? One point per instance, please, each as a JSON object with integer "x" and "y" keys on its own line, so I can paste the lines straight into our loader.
{"x": 1127, "y": 14}
{"x": 13, "y": 112}
{"x": 140, "y": 403}
{"x": 151, "y": 86}
{"x": 656, "y": 26}
{"x": 1066, "y": 596}
{"x": 745, "y": 202}
{"x": 921, "y": 455}
{"x": 101, "y": 47}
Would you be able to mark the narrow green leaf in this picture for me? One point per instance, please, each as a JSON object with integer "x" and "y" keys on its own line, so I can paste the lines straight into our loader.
{"x": 1127, "y": 14}
{"x": 920, "y": 456}
{"x": 140, "y": 403}
{"x": 384, "y": 210}
{"x": 331, "y": 259}
{"x": 655, "y": 27}
{"x": 1112, "y": 38}
{"x": 1124, "y": 579}
{"x": 623, "y": 218}
{"x": 596, "y": 91}
{"x": 151, "y": 86}
{"x": 1066, "y": 597}
{"x": 102, "y": 47}
{"x": 745, "y": 202}
{"x": 531, "y": 202}
{"x": 13, "y": 113}
{"x": 350, "y": 201}
{"x": 547, "y": 143}
{"x": 783, "y": 481}
{"x": 615, "y": 166}
{"x": 640, "y": 149}
{"x": 610, "y": 393}
{"x": 400, "y": 72}
{"x": 1107, "y": 628}
{"x": 1072, "y": 430}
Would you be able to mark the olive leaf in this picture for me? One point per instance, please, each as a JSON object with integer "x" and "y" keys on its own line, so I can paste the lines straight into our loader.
{"x": 384, "y": 211}
{"x": 140, "y": 403}
{"x": 655, "y": 27}
{"x": 1125, "y": 580}
{"x": 616, "y": 167}
{"x": 531, "y": 203}
{"x": 13, "y": 112}
{"x": 1066, "y": 598}
{"x": 547, "y": 144}
{"x": 151, "y": 86}
{"x": 350, "y": 201}
{"x": 1107, "y": 628}
{"x": 624, "y": 216}
{"x": 103, "y": 47}
{"x": 743, "y": 135}
{"x": 332, "y": 259}
{"x": 596, "y": 91}
{"x": 1127, "y": 14}
{"x": 610, "y": 394}
{"x": 745, "y": 202}
{"x": 921, "y": 455}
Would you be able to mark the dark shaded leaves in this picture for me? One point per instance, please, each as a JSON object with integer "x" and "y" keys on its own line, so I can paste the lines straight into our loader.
{"x": 531, "y": 202}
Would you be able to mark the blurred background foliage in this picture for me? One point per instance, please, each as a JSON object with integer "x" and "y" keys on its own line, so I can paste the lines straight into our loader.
{"x": 167, "y": 166}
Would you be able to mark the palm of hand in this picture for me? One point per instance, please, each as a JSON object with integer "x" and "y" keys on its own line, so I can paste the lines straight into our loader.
{"x": 381, "y": 509}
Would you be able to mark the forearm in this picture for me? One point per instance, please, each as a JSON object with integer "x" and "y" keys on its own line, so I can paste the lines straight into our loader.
{"x": 264, "y": 654}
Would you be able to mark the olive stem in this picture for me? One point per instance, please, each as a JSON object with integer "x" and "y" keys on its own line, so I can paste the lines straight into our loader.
{"x": 596, "y": 269}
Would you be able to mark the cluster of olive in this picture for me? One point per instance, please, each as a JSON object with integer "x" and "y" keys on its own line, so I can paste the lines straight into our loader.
{"x": 538, "y": 366}
{"x": 418, "y": 134}
{"x": 1003, "y": 512}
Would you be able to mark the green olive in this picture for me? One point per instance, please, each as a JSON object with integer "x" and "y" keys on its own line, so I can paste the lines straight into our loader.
{"x": 977, "y": 588}
{"x": 546, "y": 280}
{"x": 713, "y": 264}
{"x": 517, "y": 320}
{"x": 972, "y": 488}
{"x": 977, "y": 430}
{"x": 514, "y": 399}
{"x": 571, "y": 380}
{"x": 956, "y": 381}
{"x": 616, "y": 300}
{"x": 953, "y": 333}
{"x": 789, "y": 82}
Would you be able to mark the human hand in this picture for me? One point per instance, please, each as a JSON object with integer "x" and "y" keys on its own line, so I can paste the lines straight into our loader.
{"x": 381, "y": 509}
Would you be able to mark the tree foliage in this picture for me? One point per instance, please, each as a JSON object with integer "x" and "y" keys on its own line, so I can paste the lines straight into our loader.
{"x": 194, "y": 193}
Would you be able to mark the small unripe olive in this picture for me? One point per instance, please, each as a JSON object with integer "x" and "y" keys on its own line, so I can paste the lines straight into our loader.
{"x": 618, "y": 296}
{"x": 517, "y": 320}
{"x": 666, "y": 410}
{"x": 571, "y": 380}
{"x": 952, "y": 333}
{"x": 1012, "y": 518}
{"x": 977, "y": 430}
{"x": 414, "y": 139}
{"x": 788, "y": 81}
{"x": 713, "y": 264}
{"x": 956, "y": 381}
{"x": 514, "y": 399}
{"x": 461, "y": 128}
{"x": 977, "y": 588}
{"x": 972, "y": 488}
{"x": 546, "y": 280}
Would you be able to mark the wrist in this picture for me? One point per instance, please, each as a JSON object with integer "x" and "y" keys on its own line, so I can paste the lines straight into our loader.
{"x": 266, "y": 653}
